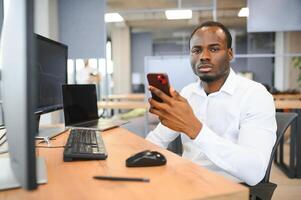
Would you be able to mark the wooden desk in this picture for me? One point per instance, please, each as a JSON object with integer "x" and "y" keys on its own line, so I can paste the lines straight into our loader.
{"x": 122, "y": 104}
{"x": 123, "y": 101}
{"x": 279, "y": 104}
{"x": 178, "y": 179}
{"x": 287, "y": 96}
{"x": 132, "y": 96}
{"x": 288, "y": 104}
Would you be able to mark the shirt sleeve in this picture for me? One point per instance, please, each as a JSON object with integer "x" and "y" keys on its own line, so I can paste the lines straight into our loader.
{"x": 248, "y": 158}
{"x": 162, "y": 136}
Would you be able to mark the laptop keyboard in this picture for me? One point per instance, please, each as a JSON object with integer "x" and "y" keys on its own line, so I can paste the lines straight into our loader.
{"x": 84, "y": 144}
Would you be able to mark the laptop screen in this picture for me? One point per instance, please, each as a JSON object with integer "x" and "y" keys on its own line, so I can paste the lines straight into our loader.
{"x": 80, "y": 103}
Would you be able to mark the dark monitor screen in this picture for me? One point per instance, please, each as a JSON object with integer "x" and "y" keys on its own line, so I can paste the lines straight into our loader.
{"x": 80, "y": 103}
{"x": 51, "y": 61}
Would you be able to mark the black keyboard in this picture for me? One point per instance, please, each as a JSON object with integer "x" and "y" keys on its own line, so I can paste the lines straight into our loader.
{"x": 84, "y": 144}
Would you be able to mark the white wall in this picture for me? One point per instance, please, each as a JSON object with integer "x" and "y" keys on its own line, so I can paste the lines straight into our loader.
{"x": 121, "y": 59}
{"x": 46, "y": 18}
{"x": 82, "y": 28}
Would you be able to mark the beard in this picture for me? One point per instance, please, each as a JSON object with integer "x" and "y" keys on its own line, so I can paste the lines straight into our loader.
{"x": 208, "y": 78}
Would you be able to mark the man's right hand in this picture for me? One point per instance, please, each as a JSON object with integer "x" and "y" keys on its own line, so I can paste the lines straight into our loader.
{"x": 175, "y": 112}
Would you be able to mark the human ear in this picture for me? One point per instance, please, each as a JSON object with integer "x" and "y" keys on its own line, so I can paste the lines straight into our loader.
{"x": 230, "y": 54}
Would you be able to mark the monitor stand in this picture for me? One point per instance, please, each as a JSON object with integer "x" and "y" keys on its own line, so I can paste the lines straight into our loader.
{"x": 49, "y": 130}
{"x": 8, "y": 179}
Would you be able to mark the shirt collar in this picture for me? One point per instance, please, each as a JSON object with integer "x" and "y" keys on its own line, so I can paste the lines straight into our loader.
{"x": 230, "y": 84}
{"x": 228, "y": 87}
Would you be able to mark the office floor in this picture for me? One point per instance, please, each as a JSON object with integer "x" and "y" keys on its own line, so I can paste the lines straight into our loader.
{"x": 288, "y": 189}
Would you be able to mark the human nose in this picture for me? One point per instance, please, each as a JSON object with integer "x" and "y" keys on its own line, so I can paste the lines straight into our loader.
{"x": 205, "y": 55}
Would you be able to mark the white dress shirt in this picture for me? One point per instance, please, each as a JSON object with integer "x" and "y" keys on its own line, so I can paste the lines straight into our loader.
{"x": 238, "y": 133}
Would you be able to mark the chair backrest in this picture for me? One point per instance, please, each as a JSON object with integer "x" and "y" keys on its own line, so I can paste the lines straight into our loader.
{"x": 284, "y": 120}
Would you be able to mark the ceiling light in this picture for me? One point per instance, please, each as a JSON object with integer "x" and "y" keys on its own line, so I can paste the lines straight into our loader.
{"x": 113, "y": 17}
{"x": 244, "y": 12}
{"x": 178, "y": 14}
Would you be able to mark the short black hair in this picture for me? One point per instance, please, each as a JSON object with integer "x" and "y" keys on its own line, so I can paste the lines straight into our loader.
{"x": 212, "y": 24}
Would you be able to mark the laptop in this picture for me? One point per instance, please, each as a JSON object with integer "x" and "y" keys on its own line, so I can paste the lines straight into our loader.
{"x": 80, "y": 109}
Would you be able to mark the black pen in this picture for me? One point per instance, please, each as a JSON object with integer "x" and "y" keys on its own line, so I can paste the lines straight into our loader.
{"x": 112, "y": 178}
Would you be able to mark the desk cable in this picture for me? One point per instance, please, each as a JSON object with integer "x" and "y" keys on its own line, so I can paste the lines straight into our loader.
{"x": 2, "y": 136}
{"x": 50, "y": 147}
{"x": 47, "y": 140}
{"x": 3, "y": 142}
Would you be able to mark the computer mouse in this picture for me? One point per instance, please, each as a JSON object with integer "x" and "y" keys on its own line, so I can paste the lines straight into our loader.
{"x": 146, "y": 159}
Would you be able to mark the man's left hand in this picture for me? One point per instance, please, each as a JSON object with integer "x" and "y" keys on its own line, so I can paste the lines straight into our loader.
{"x": 175, "y": 112}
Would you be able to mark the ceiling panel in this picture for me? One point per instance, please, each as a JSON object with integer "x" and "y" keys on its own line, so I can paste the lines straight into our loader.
{"x": 148, "y": 15}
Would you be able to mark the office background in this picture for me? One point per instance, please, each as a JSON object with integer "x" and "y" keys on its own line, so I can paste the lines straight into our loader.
{"x": 118, "y": 50}
{"x": 265, "y": 44}
{"x": 145, "y": 31}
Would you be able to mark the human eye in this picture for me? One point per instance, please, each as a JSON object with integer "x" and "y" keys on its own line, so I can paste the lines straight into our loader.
{"x": 195, "y": 50}
{"x": 214, "y": 49}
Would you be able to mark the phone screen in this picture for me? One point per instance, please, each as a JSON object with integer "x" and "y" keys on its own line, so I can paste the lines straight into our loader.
{"x": 160, "y": 81}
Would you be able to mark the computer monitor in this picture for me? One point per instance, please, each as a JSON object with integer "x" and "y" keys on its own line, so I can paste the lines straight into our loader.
{"x": 51, "y": 64}
{"x": 19, "y": 96}
{"x": 51, "y": 61}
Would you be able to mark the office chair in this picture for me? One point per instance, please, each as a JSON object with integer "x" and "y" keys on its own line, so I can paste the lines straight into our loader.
{"x": 176, "y": 146}
{"x": 265, "y": 189}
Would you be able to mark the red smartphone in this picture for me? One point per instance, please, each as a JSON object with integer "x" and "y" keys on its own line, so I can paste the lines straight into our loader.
{"x": 160, "y": 81}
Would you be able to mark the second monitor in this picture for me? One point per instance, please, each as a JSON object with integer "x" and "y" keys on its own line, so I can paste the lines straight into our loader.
{"x": 51, "y": 62}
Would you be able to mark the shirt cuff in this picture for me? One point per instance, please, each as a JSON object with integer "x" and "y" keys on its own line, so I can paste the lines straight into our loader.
{"x": 206, "y": 136}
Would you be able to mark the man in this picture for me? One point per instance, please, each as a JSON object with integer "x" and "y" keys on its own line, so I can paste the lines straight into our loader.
{"x": 88, "y": 75}
{"x": 227, "y": 123}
